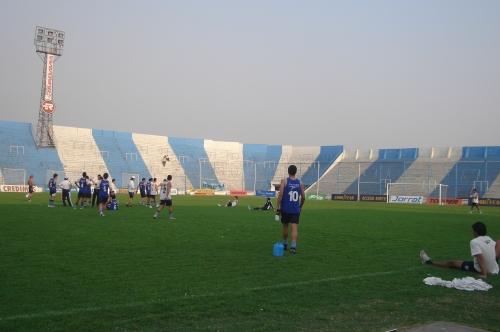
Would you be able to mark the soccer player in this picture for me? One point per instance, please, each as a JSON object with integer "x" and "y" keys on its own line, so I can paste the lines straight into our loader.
{"x": 31, "y": 188}
{"x": 474, "y": 201}
{"x": 88, "y": 192}
{"x": 149, "y": 184}
{"x": 231, "y": 203}
{"x": 483, "y": 249}
{"x": 154, "y": 192}
{"x": 52, "y": 190}
{"x": 131, "y": 191}
{"x": 166, "y": 198}
{"x": 103, "y": 193}
{"x": 267, "y": 206}
{"x": 142, "y": 190}
{"x": 65, "y": 186}
{"x": 289, "y": 204}
{"x": 112, "y": 189}
{"x": 81, "y": 184}
{"x": 95, "y": 194}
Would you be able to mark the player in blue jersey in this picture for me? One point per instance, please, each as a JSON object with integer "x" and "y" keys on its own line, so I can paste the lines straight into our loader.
{"x": 103, "y": 193}
{"x": 88, "y": 191}
{"x": 289, "y": 204}
{"x": 81, "y": 184}
{"x": 52, "y": 190}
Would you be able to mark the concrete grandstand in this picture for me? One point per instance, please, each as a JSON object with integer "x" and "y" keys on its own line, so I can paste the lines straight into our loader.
{"x": 235, "y": 166}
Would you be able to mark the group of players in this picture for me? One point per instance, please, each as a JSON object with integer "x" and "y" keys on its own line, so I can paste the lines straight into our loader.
{"x": 290, "y": 199}
{"x": 104, "y": 193}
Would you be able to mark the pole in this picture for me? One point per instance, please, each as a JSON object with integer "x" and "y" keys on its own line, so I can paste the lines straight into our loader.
{"x": 317, "y": 183}
{"x": 199, "y": 163}
{"x": 254, "y": 176}
{"x": 359, "y": 178}
{"x": 456, "y": 180}
{"x": 440, "y": 188}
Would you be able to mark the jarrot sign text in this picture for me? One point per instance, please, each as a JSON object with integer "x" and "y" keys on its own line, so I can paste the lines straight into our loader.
{"x": 406, "y": 199}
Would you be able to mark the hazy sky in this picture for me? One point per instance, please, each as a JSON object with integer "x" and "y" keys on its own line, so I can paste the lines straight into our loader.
{"x": 359, "y": 73}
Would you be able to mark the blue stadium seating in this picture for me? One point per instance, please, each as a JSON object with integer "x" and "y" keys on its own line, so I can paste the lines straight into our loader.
{"x": 473, "y": 169}
{"x": 35, "y": 161}
{"x": 122, "y": 157}
{"x": 326, "y": 157}
{"x": 389, "y": 167}
{"x": 264, "y": 160}
{"x": 191, "y": 151}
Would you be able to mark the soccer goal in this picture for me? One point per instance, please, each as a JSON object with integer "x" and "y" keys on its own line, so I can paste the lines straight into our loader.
{"x": 417, "y": 191}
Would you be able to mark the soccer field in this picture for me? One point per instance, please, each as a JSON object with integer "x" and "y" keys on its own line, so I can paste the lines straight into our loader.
{"x": 357, "y": 268}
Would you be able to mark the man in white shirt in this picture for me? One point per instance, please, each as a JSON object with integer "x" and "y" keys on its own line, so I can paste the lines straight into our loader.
{"x": 132, "y": 189}
{"x": 484, "y": 250}
{"x": 65, "y": 186}
{"x": 166, "y": 198}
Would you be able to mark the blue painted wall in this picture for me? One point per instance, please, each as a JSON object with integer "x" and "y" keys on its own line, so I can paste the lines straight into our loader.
{"x": 35, "y": 161}
{"x": 193, "y": 149}
{"x": 478, "y": 163}
{"x": 326, "y": 157}
{"x": 118, "y": 144}
{"x": 266, "y": 158}
{"x": 389, "y": 166}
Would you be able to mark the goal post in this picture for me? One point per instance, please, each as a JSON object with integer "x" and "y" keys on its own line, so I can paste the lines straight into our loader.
{"x": 423, "y": 189}
{"x": 443, "y": 193}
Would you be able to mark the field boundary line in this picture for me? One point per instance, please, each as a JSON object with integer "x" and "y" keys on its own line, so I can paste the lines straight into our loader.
{"x": 73, "y": 311}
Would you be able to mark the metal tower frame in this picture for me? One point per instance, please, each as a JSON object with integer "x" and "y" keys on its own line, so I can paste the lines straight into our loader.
{"x": 49, "y": 44}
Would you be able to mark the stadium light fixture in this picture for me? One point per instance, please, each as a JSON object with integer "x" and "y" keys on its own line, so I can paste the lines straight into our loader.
{"x": 49, "y": 41}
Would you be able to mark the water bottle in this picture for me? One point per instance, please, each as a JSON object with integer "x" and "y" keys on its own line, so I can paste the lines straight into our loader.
{"x": 278, "y": 249}
{"x": 277, "y": 217}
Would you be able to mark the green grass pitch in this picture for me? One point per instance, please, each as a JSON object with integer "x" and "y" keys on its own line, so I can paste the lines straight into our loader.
{"x": 357, "y": 268}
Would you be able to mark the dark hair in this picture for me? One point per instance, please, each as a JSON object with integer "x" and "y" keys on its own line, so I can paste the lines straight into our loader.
{"x": 292, "y": 170}
{"x": 113, "y": 180}
{"x": 150, "y": 179}
{"x": 105, "y": 175}
{"x": 84, "y": 174}
{"x": 479, "y": 228}
{"x": 169, "y": 177}
{"x": 154, "y": 179}
{"x": 143, "y": 179}
{"x": 55, "y": 175}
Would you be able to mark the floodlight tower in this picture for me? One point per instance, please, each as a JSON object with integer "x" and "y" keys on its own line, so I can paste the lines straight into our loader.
{"x": 49, "y": 44}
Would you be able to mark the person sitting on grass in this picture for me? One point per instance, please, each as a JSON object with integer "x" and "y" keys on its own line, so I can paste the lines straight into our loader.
{"x": 484, "y": 250}
{"x": 231, "y": 203}
{"x": 267, "y": 206}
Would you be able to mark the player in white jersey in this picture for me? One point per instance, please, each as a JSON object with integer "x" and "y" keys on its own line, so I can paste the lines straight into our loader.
{"x": 166, "y": 198}
{"x": 484, "y": 250}
{"x": 154, "y": 192}
{"x": 132, "y": 189}
{"x": 474, "y": 201}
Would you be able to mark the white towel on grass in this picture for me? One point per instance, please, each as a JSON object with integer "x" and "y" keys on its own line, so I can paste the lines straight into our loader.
{"x": 467, "y": 283}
